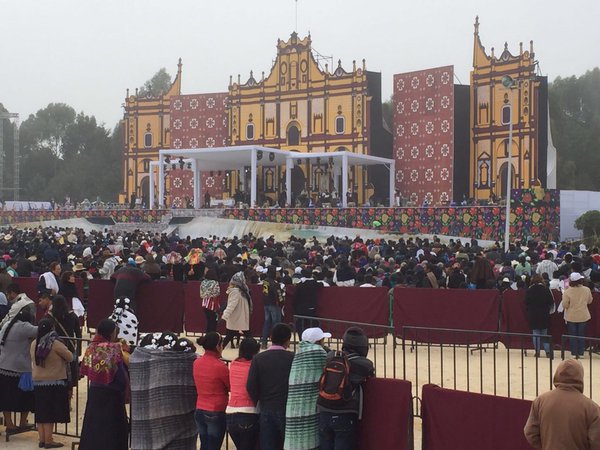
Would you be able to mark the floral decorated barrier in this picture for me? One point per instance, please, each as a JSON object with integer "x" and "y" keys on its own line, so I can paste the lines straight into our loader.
{"x": 534, "y": 213}
{"x": 118, "y": 215}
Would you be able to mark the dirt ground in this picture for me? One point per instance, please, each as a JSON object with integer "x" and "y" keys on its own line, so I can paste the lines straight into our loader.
{"x": 488, "y": 370}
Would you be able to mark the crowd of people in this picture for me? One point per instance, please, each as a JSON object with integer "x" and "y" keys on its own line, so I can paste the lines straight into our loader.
{"x": 301, "y": 403}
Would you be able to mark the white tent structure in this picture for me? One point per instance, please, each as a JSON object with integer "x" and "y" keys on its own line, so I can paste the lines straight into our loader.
{"x": 238, "y": 158}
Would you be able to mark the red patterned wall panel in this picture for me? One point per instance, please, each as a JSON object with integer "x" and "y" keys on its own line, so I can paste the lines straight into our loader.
{"x": 424, "y": 135}
{"x": 200, "y": 121}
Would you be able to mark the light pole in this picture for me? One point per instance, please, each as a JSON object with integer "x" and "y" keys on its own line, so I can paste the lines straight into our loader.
{"x": 509, "y": 83}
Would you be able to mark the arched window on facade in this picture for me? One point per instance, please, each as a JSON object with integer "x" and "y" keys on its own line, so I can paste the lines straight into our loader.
{"x": 250, "y": 132}
{"x": 148, "y": 139}
{"x": 293, "y": 135}
{"x": 506, "y": 114}
{"x": 340, "y": 125}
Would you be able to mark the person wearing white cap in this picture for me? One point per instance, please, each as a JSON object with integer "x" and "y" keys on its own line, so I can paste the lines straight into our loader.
{"x": 575, "y": 302}
{"x": 301, "y": 416}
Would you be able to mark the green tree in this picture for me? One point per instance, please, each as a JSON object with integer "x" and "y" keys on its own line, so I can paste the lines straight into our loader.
{"x": 387, "y": 108}
{"x": 575, "y": 121}
{"x": 157, "y": 85}
{"x": 69, "y": 154}
{"x": 46, "y": 129}
{"x": 589, "y": 223}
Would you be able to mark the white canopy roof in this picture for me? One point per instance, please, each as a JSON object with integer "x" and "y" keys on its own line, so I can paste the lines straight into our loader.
{"x": 227, "y": 158}
{"x": 236, "y": 158}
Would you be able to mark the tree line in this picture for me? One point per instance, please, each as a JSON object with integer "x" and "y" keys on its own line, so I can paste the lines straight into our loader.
{"x": 65, "y": 153}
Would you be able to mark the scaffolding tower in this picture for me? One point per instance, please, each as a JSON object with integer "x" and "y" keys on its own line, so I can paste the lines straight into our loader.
{"x": 16, "y": 153}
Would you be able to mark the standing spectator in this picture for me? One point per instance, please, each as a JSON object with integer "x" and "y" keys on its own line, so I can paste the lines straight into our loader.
{"x": 109, "y": 266}
{"x": 344, "y": 275}
{"x": 305, "y": 301}
{"x": 69, "y": 292}
{"x": 49, "y": 361}
{"x": 482, "y": 274}
{"x": 11, "y": 268}
{"x": 523, "y": 267}
{"x": 127, "y": 281}
{"x": 105, "y": 421}
{"x": 271, "y": 295}
{"x": 268, "y": 386}
{"x": 564, "y": 418}
{"x": 49, "y": 282}
{"x": 194, "y": 266}
{"x": 4, "y": 306}
{"x": 210, "y": 291}
{"x": 242, "y": 415}
{"x": 429, "y": 280}
{"x": 539, "y": 301}
{"x": 456, "y": 279}
{"x": 151, "y": 267}
{"x": 211, "y": 376}
{"x": 238, "y": 310}
{"x": 301, "y": 415}
{"x": 338, "y": 419}
{"x": 575, "y": 301}
{"x": 66, "y": 324}
{"x": 15, "y": 361}
{"x": 547, "y": 266}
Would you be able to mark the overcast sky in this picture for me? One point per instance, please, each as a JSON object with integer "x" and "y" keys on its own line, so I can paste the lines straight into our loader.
{"x": 87, "y": 52}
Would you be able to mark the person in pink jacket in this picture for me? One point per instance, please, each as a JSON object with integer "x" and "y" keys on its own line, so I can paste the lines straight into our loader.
{"x": 211, "y": 377}
{"x": 242, "y": 414}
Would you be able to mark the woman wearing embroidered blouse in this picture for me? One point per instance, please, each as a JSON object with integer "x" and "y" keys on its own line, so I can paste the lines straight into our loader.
{"x": 50, "y": 359}
{"x": 105, "y": 423}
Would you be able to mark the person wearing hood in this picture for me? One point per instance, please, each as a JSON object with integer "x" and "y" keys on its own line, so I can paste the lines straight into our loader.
{"x": 338, "y": 419}
{"x": 564, "y": 418}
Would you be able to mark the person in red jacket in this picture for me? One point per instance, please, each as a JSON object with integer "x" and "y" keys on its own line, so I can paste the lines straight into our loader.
{"x": 211, "y": 377}
{"x": 242, "y": 415}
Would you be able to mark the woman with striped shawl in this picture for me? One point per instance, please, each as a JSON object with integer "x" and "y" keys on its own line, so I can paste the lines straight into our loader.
{"x": 301, "y": 416}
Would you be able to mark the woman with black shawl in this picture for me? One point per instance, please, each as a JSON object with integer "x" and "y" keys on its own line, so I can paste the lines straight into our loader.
{"x": 66, "y": 324}
{"x": 105, "y": 421}
{"x": 49, "y": 372}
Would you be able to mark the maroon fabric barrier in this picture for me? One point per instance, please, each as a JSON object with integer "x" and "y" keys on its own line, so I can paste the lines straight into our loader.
{"x": 447, "y": 308}
{"x": 160, "y": 305}
{"x": 387, "y": 421}
{"x": 354, "y": 304}
{"x": 195, "y": 320}
{"x": 514, "y": 320}
{"x": 465, "y": 420}
{"x": 100, "y": 301}
{"x": 367, "y": 305}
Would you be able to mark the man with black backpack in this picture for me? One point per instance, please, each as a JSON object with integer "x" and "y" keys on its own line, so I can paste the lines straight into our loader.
{"x": 341, "y": 395}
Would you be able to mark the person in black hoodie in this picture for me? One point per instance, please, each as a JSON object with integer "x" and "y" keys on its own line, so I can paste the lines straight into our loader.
{"x": 338, "y": 419}
{"x": 268, "y": 384}
{"x": 305, "y": 301}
